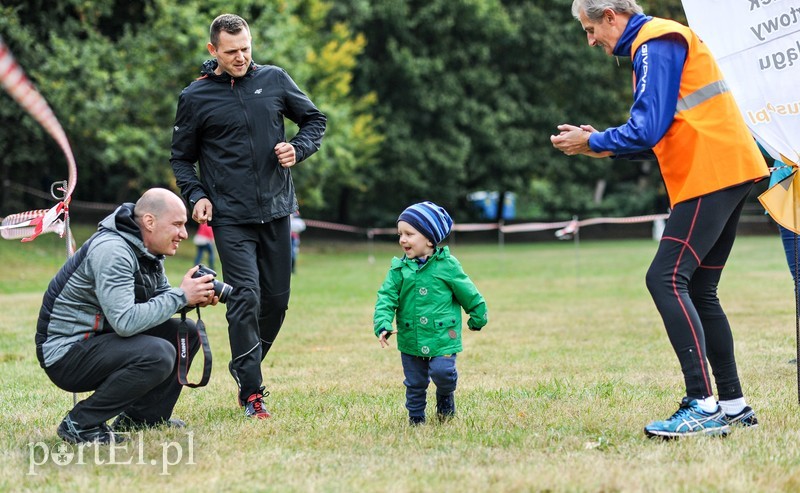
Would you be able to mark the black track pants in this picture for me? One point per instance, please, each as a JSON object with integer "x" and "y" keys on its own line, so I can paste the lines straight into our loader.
{"x": 135, "y": 374}
{"x": 683, "y": 280}
{"x": 257, "y": 263}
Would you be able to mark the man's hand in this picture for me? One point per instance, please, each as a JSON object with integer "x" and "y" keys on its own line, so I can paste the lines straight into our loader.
{"x": 286, "y": 154}
{"x": 199, "y": 290}
{"x": 384, "y": 336}
{"x": 202, "y": 211}
{"x": 575, "y": 140}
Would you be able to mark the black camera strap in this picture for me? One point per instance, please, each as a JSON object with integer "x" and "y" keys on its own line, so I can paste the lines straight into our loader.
{"x": 183, "y": 351}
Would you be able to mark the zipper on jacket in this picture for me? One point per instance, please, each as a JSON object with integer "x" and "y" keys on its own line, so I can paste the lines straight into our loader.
{"x": 252, "y": 152}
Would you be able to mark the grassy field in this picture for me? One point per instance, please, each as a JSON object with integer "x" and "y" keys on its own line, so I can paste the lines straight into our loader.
{"x": 552, "y": 395}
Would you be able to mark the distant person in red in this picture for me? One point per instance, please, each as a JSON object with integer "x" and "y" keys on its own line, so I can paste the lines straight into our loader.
{"x": 204, "y": 239}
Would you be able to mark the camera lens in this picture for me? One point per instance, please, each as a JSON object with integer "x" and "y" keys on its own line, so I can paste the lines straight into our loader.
{"x": 222, "y": 290}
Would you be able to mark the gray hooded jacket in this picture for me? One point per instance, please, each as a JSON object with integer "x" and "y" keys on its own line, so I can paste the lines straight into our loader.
{"x": 112, "y": 283}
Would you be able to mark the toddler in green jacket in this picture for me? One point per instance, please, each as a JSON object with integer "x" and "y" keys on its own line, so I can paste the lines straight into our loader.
{"x": 425, "y": 291}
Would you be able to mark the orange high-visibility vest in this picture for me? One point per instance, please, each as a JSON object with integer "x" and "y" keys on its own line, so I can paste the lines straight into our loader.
{"x": 708, "y": 147}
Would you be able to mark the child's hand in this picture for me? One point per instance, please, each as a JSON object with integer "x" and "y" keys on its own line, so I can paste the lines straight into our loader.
{"x": 384, "y": 336}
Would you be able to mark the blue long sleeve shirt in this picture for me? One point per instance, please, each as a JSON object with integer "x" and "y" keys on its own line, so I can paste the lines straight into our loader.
{"x": 658, "y": 67}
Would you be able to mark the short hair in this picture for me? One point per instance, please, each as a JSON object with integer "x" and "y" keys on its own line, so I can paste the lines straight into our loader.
{"x": 594, "y": 8}
{"x": 230, "y": 23}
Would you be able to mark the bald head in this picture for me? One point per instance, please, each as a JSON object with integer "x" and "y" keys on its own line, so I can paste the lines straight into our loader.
{"x": 156, "y": 201}
{"x": 161, "y": 216}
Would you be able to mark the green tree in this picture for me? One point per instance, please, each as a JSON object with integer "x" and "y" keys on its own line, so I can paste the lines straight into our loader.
{"x": 432, "y": 66}
{"x": 566, "y": 81}
{"x": 112, "y": 72}
{"x": 426, "y": 99}
{"x": 470, "y": 91}
{"x": 70, "y": 51}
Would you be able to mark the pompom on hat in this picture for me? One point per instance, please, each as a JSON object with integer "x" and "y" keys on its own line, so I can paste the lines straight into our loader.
{"x": 429, "y": 219}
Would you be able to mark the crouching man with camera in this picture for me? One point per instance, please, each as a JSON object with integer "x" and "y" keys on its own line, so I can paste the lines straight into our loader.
{"x": 106, "y": 322}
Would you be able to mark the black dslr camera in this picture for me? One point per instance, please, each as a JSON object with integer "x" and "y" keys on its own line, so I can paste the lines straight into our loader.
{"x": 221, "y": 289}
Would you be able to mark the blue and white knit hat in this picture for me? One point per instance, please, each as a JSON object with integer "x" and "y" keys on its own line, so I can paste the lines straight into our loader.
{"x": 429, "y": 219}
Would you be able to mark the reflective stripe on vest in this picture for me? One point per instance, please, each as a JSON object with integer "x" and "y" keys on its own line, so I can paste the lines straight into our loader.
{"x": 701, "y": 95}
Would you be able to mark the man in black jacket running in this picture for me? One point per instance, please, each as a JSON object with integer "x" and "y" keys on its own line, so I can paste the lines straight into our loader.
{"x": 230, "y": 122}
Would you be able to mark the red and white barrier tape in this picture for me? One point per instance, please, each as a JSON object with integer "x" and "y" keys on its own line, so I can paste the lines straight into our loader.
{"x": 622, "y": 220}
{"x": 73, "y": 204}
{"x": 17, "y": 85}
{"x": 28, "y": 225}
{"x": 313, "y": 223}
{"x": 564, "y": 227}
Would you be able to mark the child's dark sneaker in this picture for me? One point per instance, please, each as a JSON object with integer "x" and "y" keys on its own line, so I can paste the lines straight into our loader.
{"x": 72, "y": 432}
{"x": 255, "y": 406}
{"x": 445, "y": 406}
{"x": 746, "y": 418}
{"x": 416, "y": 420}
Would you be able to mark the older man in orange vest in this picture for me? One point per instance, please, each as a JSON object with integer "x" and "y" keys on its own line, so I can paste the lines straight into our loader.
{"x": 684, "y": 115}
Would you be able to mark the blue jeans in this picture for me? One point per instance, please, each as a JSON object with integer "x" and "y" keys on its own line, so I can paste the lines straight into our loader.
{"x": 419, "y": 372}
{"x": 208, "y": 249}
{"x": 792, "y": 247}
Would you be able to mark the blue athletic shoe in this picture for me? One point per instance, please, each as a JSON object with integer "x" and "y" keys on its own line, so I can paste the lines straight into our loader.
{"x": 746, "y": 418}
{"x": 689, "y": 420}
